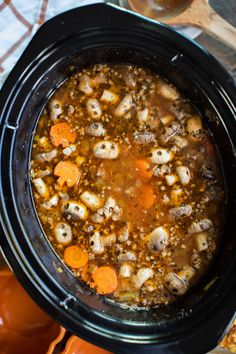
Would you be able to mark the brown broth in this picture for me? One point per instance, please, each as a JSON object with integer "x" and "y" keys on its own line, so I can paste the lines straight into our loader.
{"x": 177, "y": 203}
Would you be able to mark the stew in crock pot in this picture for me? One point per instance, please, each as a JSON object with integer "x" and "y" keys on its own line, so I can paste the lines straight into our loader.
{"x": 127, "y": 184}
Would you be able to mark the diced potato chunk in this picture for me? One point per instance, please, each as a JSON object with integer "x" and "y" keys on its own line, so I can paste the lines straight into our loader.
{"x": 117, "y": 213}
{"x": 142, "y": 116}
{"x": 201, "y": 241}
{"x": 69, "y": 150}
{"x": 129, "y": 79}
{"x": 168, "y": 118}
{"x": 44, "y": 173}
{"x": 52, "y": 202}
{"x": 85, "y": 85}
{"x": 41, "y": 187}
{"x": 80, "y": 160}
{"x": 180, "y": 142}
{"x": 46, "y": 156}
{"x": 125, "y": 270}
{"x": 180, "y": 211}
{"x": 99, "y": 79}
{"x": 124, "y": 106}
{"x": 199, "y": 226}
{"x": 109, "y": 97}
{"x": 105, "y": 212}
{"x": 126, "y": 256}
{"x": 91, "y": 200}
{"x": 184, "y": 174}
{"x": 108, "y": 240}
{"x": 194, "y": 125}
{"x": 123, "y": 233}
{"x": 168, "y": 91}
{"x": 171, "y": 179}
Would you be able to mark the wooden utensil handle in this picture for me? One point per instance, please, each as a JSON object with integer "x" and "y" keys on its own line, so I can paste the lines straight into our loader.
{"x": 220, "y": 29}
{"x": 201, "y": 14}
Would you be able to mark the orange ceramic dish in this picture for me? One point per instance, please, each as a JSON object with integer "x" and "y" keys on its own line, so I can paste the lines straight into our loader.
{"x": 56, "y": 341}
{"x": 77, "y": 345}
{"x": 24, "y": 327}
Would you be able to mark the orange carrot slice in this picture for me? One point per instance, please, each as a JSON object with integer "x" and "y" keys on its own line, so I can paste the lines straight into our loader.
{"x": 145, "y": 196}
{"x": 62, "y": 134}
{"x": 143, "y": 168}
{"x": 105, "y": 280}
{"x": 75, "y": 258}
{"x": 68, "y": 173}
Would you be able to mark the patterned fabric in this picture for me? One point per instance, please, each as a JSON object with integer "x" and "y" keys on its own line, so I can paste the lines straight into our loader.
{"x": 20, "y": 19}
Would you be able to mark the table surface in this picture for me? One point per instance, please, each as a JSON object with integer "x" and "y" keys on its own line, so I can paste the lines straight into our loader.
{"x": 227, "y": 56}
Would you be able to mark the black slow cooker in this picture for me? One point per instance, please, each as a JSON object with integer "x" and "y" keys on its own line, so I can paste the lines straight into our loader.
{"x": 99, "y": 34}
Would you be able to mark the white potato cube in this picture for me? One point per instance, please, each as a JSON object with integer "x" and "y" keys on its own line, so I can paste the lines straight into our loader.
{"x": 124, "y": 106}
{"x": 125, "y": 270}
{"x": 201, "y": 241}
{"x": 91, "y": 200}
{"x": 194, "y": 125}
{"x": 41, "y": 187}
{"x": 171, "y": 179}
{"x": 184, "y": 174}
{"x": 168, "y": 91}
{"x": 109, "y": 97}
